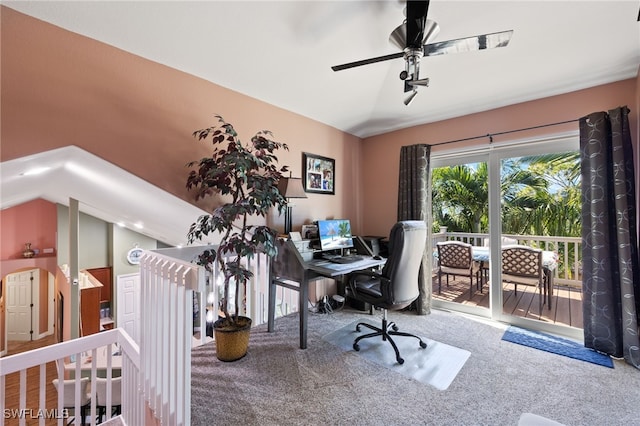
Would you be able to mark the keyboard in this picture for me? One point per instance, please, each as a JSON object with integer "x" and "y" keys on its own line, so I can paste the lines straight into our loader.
{"x": 344, "y": 259}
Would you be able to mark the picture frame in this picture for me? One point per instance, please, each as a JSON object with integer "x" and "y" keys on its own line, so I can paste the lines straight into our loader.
{"x": 319, "y": 174}
{"x": 309, "y": 232}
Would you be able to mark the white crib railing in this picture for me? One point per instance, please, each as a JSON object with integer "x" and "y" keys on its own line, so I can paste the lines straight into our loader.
{"x": 132, "y": 401}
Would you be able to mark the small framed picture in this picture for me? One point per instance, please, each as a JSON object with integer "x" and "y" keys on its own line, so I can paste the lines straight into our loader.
{"x": 318, "y": 174}
{"x": 309, "y": 232}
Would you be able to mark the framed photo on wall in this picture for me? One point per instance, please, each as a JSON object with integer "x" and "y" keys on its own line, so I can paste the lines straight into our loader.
{"x": 318, "y": 174}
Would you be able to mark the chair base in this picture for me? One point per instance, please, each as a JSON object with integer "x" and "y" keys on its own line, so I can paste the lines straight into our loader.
{"x": 386, "y": 335}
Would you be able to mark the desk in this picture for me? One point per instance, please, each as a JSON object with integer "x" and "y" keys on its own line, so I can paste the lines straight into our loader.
{"x": 289, "y": 270}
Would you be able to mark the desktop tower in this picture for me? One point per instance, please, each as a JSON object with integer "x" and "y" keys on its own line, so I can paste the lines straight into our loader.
{"x": 367, "y": 245}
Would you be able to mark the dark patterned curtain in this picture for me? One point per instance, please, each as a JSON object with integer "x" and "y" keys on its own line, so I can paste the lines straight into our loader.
{"x": 414, "y": 203}
{"x": 611, "y": 280}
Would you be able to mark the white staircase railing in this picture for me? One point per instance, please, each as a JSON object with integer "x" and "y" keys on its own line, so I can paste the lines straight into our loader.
{"x": 132, "y": 402}
{"x": 176, "y": 295}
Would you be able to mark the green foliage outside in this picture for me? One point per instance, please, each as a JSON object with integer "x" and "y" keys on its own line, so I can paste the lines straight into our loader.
{"x": 539, "y": 196}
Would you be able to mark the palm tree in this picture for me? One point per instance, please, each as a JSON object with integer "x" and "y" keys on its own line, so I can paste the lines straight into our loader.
{"x": 524, "y": 196}
{"x": 461, "y": 195}
{"x": 562, "y": 215}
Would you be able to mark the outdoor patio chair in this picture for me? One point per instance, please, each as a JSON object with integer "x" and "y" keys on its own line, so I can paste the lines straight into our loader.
{"x": 523, "y": 265}
{"x": 504, "y": 241}
{"x": 456, "y": 258}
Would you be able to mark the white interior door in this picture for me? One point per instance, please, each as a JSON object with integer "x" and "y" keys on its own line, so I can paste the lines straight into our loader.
{"x": 20, "y": 317}
{"x": 128, "y": 308}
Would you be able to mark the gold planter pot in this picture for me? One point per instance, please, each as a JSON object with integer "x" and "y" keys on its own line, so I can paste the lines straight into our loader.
{"x": 232, "y": 342}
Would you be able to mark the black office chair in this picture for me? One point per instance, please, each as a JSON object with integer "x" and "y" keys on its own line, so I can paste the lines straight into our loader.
{"x": 396, "y": 286}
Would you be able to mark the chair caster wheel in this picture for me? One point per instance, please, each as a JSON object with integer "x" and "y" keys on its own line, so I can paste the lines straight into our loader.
{"x": 395, "y": 327}
{"x": 400, "y": 361}
{"x": 423, "y": 345}
{"x": 358, "y": 328}
{"x": 356, "y": 347}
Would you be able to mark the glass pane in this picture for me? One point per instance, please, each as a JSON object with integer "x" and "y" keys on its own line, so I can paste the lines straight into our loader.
{"x": 541, "y": 209}
{"x": 460, "y": 213}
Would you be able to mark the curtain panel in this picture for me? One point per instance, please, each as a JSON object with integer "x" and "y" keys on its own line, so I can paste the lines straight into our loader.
{"x": 414, "y": 203}
{"x": 611, "y": 279}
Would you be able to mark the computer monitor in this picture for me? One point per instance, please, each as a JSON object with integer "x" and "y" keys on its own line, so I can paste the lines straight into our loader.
{"x": 335, "y": 234}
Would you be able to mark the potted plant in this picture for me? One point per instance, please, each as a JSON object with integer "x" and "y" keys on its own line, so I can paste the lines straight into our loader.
{"x": 246, "y": 176}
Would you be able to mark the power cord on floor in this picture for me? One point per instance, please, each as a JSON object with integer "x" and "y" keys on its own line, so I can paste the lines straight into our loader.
{"x": 328, "y": 305}
{"x": 324, "y": 307}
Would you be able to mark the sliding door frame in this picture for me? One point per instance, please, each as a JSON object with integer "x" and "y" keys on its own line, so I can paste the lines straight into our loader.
{"x": 493, "y": 154}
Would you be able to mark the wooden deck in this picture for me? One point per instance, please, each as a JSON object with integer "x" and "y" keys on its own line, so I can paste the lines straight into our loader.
{"x": 566, "y": 303}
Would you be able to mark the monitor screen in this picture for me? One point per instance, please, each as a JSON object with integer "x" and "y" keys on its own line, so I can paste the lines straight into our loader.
{"x": 334, "y": 234}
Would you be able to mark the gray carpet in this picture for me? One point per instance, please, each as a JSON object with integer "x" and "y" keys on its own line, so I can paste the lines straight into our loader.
{"x": 279, "y": 384}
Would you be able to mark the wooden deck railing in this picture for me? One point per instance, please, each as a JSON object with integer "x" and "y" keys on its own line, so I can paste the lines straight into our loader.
{"x": 569, "y": 250}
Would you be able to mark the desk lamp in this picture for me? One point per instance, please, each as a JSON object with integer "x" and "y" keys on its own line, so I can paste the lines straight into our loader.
{"x": 290, "y": 187}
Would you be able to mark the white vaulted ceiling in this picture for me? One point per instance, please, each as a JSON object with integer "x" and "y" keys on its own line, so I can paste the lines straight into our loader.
{"x": 281, "y": 52}
{"x": 104, "y": 191}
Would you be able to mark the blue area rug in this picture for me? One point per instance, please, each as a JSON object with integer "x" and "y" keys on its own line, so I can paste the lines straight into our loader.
{"x": 556, "y": 345}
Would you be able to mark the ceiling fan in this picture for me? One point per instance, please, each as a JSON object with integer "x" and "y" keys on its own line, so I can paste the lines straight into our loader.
{"x": 412, "y": 37}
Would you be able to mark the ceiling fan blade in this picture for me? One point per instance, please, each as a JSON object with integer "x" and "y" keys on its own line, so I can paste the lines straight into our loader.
{"x": 409, "y": 98}
{"x": 367, "y": 61}
{"x": 421, "y": 82}
{"x": 468, "y": 44}
{"x": 416, "y": 23}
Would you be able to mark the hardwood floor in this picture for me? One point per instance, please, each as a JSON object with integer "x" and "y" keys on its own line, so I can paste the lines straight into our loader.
{"x": 566, "y": 303}
{"x": 12, "y": 385}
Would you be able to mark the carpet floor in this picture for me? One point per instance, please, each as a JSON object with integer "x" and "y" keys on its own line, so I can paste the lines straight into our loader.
{"x": 277, "y": 383}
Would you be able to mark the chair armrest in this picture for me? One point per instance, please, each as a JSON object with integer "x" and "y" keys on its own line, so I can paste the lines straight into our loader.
{"x": 366, "y": 273}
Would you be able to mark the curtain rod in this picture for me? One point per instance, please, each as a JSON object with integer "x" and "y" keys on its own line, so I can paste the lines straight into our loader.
{"x": 491, "y": 135}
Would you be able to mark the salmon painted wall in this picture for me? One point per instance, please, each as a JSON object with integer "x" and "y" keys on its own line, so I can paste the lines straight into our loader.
{"x": 67, "y": 89}
{"x": 33, "y": 222}
{"x": 381, "y": 154}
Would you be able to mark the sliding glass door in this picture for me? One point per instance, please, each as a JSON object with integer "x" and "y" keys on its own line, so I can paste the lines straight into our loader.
{"x": 522, "y": 194}
{"x": 540, "y": 213}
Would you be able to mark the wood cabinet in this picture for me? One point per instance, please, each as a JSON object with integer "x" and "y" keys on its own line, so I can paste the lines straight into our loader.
{"x": 105, "y": 276}
{"x": 90, "y": 310}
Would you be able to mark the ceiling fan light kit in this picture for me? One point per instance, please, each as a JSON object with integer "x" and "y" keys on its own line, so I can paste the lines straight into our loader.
{"x": 413, "y": 37}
